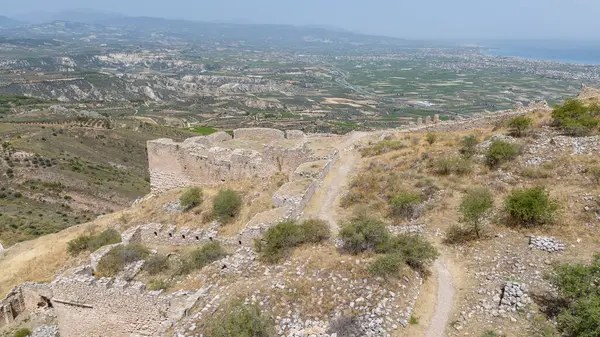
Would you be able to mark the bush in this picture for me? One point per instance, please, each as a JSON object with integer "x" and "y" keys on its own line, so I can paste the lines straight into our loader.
{"x": 363, "y": 233}
{"x": 382, "y": 147}
{"x": 92, "y": 243}
{"x": 529, "y": 207}
{"x": 206, "y": 255}
{"x": 281, "y": 238}
{"x": 579, "y": 292}
{"x": 226, "y": 205}
{"x": 23, "y": 332}
{"x": 315, "y": 231}
{"x": 191, "y": 198}
{"x": 278, "y": 240}
{"x": 244, "y": 320}
{"x": 474, "y": 206}
{"x": 387, "y": 265}
{"x": 417, "y": 252}
{"x": 156, "y": 264}
{"x": 594, "y": 173}
{"x": 430, "y": 138}
{"x": 468, "y": 146}
{"x": 120, "y": 256}
{"x": 520, "y": 126}
{"x": 575, "y": 118}
{"x": 449, "y": 165}
{"x": 404, "y": 205}
{"x": 501, "y": 152}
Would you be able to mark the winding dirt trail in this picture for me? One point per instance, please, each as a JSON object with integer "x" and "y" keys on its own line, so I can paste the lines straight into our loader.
{"x": 324, "y": 202}
{"x": 444, "y": 299}
{"x": 324, "y": 205}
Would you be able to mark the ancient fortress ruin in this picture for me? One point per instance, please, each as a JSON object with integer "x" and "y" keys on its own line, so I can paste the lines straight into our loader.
{"x": 81, "y": 304}
{"x": 220, "y": 157}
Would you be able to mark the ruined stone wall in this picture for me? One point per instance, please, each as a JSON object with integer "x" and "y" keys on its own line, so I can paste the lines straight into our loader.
{"x": 168, "y": 235}
{"x": 217, "y": 158}
{"x": 86, "y": 306}
{"x": 24, "y": 298}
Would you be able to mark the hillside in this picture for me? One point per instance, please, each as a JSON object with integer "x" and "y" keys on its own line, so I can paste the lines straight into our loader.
{"x": 440, "y": 228}
{"x": 61, "y": 172}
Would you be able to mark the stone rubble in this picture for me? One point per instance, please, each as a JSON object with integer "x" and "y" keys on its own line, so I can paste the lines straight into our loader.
{"x": 513, "y": 297}
{"x": 551, "y": 245}
{"x": 45, "y": 331}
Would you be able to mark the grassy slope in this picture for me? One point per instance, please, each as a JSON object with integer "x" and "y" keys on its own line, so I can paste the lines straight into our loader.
{"x": 76, "y": 174}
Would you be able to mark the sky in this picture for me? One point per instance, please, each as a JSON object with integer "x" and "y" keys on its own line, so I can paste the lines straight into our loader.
{"x": 430, "y": 19}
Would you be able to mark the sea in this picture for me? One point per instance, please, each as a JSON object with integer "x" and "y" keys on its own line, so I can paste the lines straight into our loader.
{"x": 578, "y": 52}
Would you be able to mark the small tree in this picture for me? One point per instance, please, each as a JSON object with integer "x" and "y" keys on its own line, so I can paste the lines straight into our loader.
{"x": 474, "y": 206}
{"x": 191, "y": 198}
{"x": 226, "y": 205}
{"x": 468, "y": 146}
{"x": 430, "y": 138}
{"x": 500, "y": 152}
{"x": 520, "y": 125}
{"x": 529, "y": 207}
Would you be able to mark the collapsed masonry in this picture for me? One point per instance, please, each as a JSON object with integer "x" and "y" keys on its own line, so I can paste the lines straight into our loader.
{"x": 219, "y": 157}
{"x": 84, "y": 305}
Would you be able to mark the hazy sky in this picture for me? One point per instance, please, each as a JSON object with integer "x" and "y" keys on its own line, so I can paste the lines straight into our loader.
{"x": 403, "y": 18}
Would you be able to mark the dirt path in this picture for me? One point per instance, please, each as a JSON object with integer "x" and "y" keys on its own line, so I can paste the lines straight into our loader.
{"x": 324, "y": 204}
{"x": 444, "y": 300}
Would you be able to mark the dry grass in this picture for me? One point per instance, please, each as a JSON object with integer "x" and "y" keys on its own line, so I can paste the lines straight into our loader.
{"x": 39, "y": 260}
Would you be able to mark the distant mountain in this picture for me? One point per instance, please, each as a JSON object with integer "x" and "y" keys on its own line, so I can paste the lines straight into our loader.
{"x": 74, "y": 15}
{"x": 8, "y": 22}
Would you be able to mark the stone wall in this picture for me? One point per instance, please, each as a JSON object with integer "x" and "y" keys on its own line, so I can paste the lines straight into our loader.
{"x": 214, "y": 159}
{"x": 168, "y": 235}
{"x": 24, "y": 298}
{"x": 86, "y": 306}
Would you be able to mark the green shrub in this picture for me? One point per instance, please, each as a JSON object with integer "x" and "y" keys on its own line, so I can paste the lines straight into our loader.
{"x": 580, "y": 295}
{"x": 501, "y": 152}
{"x": 468, "y": 146}
{"x": 118, "y": 257}
{"x": 387, "y": 265}
{"x": 529, "y": 207}
{"x": 404, "y": 205}
{"x": 449, "y": 165}
{"x": 206, "y": 255}
{"x": 382, "y": 147}
{"x": 92, "y": 243}
{"x": 244, "y": 320}
{"x": 474, "y": 206}
{"x": 156, "y": 264}
{"x": 278, "y": 240}
{"x": 78, "y": 245}
{"x": 107, "y": 237}
{"x": 417, "y": 252}
{"x": 281, "y": 238}
{"x": 191, "y": 198}
{"x": 226, "y": 205}
{"x": 413, "y": 320}
{"x": 430, "y": 138}
{"x": 363, "y": 233}
{"x": 520, "y": 126}
{"x": 576, "y": 118}
{"x": 315, "y": 231}
{"x": 23, "y": 332}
